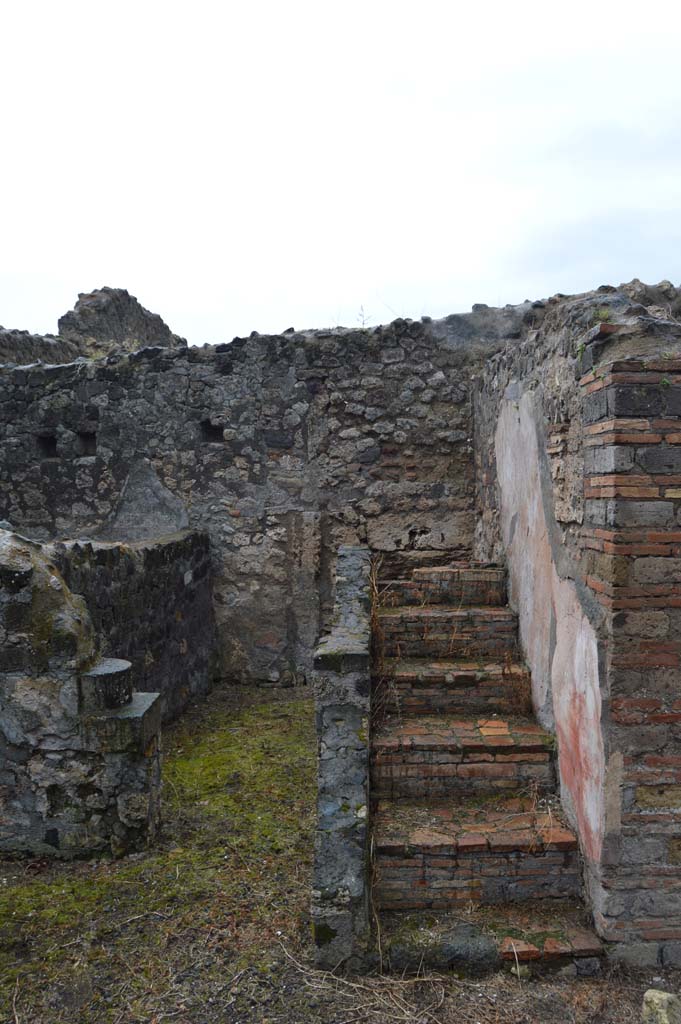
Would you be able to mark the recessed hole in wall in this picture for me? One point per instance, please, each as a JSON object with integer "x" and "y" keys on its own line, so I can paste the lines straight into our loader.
{"x": 87, "y": 442}
{"x": 47, "y": 446}
{"x": 52, "y": 837}
{"x": 211, "y": 433}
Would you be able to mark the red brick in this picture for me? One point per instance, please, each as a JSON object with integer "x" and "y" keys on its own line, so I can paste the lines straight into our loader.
{"x": 584, "y": 943}
{"x": 638, "y": 703}
{"x": 555, "y": 948}
{"x": 507, "y": 840}
{"x": 472, "y": 843}
{"x": 517, "y": 949}
{"x": 620, "y": 423}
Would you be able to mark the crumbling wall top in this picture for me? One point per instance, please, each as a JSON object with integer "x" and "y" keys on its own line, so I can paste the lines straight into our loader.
{"x": 108, "y": 318}
{"x": 44, "y": 626}
{"x": 103, "y": 321}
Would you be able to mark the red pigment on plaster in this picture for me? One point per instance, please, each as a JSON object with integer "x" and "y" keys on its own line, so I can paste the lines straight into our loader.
{"x": 577, "y": 769}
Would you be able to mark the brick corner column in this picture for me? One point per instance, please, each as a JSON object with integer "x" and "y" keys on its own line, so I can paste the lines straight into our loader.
{"x": 632, "y": 563}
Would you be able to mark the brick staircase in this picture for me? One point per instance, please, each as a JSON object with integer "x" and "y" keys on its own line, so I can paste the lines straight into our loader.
{"x": 463, "y": 779}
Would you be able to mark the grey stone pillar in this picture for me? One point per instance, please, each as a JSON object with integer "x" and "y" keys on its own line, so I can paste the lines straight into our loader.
{"x": 340, "y": 899}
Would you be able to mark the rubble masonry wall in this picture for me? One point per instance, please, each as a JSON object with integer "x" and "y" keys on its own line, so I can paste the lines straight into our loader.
{"x": 150, "y": 602}
{"x": 279, "y": 448}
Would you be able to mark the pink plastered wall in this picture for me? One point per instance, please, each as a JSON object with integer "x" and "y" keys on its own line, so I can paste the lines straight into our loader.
{"x": 558, "y": 640}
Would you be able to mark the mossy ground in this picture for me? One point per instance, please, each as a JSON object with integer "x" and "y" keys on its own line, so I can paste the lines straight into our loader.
{"x": 129, "y": 940}
{"x": 202, "y": 928}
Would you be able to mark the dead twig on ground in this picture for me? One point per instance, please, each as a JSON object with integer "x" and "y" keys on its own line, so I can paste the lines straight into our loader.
{"x": 148, "y": 913}
{"x": 517, "y": 963}
{"x": 381, "y": 997}
{"x": 14, "y": 1003}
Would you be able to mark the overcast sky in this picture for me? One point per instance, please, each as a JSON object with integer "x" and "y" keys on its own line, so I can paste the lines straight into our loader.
{"x": 259, "y": 165}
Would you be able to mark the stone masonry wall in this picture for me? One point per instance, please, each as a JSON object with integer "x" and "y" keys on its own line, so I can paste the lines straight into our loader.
{"x": 280, "y": 448}
{"x": 102, "y": 321}
{"x": 150, "y": 602}
{"x": 79, "y": 749}
{"x": 633, "y": 558}
{"x": 342, "y": 682}
{"x": 576, "y": 473}
{"x": 283, "y": 449}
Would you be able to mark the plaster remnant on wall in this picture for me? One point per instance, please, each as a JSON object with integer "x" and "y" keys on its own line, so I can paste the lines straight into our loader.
{"x": 146, "y": 508}
{"x": 559, "y": 641}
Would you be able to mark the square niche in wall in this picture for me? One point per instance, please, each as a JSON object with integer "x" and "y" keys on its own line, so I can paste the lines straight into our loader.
{"x": 87, "y": 442}
{"x": 47, "y": 445}
{"x": 212, "y": 433}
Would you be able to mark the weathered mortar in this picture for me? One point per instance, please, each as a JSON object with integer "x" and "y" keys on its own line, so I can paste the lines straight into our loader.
{"x": 280, "y": 448}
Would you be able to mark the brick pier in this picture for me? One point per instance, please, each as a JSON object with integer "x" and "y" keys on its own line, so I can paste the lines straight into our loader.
{"x": 632, "y": 542}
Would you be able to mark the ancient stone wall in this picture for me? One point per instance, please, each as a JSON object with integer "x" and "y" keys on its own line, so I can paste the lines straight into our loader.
{"x": 79, "y": 749}
{"x": 632, "y": 545}
{"x": 281, "y": 448}
{"x": 151, "y": 603}
{"x": 110, "y": 318}
{"x": 577, "y": 485}
{"x": 103, "y": 321}
{"x": 22, "y": 347}
{"x": 342, "y": 683}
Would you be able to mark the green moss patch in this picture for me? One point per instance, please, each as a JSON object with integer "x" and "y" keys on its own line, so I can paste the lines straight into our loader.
{"x": 228, "y": 883}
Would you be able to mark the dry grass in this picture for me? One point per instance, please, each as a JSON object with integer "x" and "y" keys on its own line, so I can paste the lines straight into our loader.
{"x": 502, "y": 998}
{"x": 211, "y": 926}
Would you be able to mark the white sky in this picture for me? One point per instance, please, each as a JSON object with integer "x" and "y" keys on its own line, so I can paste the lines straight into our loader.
{"x": 259, "y": 165}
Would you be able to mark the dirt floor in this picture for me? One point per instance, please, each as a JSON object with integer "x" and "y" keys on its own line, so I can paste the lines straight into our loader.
{"x": 211, "y": 925}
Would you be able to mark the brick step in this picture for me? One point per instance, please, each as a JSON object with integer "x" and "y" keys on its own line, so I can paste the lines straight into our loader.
{"x": 427, "y": 757}
{"x": 453, "y": 585}
{"x": 401, "y": 564}
{"x": 417, "y": 686}
{"x": 443, "y": 856}
{"x": 442, "y": 631}
{"x": 544, "y": 934}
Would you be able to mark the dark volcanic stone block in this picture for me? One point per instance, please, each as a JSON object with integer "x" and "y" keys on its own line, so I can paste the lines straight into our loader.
{"x": 107, "y": 685}
{"x": 634, "y": 401}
